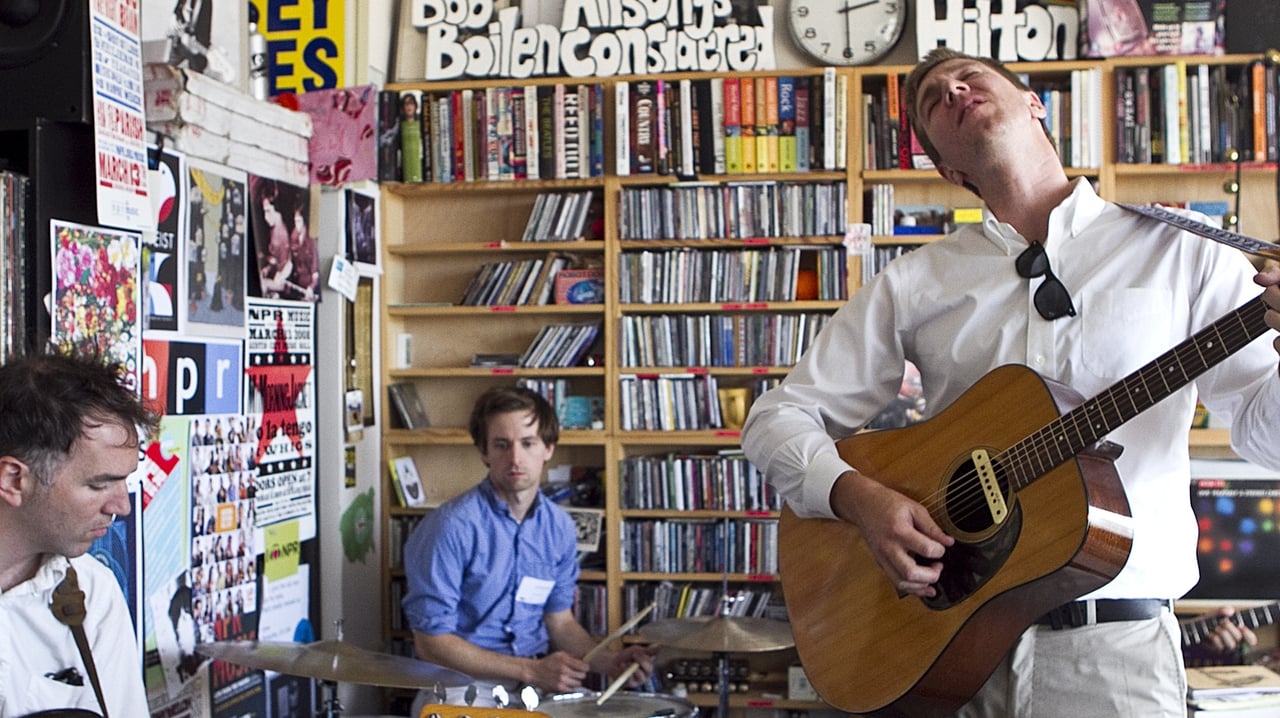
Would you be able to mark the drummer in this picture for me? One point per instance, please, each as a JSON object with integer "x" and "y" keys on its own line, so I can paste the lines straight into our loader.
{"x": 492, "y": 573}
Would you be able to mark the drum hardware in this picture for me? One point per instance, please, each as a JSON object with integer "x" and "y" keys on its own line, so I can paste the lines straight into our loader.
{"x": 722, "y": 634}
{"x": 331, "y": 662}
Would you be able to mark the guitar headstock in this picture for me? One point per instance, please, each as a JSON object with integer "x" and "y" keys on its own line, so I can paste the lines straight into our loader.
{"x": 437, "y": 710}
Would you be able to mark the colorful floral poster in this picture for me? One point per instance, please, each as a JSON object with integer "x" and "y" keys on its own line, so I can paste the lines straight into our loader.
{"x": 96, "y": 293}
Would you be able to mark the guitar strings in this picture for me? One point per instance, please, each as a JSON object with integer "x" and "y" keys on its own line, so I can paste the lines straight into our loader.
{"x": 1028, "y": 459}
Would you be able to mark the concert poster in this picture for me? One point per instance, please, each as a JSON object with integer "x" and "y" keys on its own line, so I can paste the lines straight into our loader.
{"x": 215, "y": 250}
{"x": 280, "y": 395}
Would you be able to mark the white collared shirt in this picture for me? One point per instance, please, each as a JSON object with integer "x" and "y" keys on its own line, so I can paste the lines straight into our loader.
{"x": 958, "y": 309}
{"x": 33, "y": 642}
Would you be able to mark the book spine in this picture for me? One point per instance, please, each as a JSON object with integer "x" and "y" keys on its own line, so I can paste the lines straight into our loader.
{"x": 747, "y": 107}
{"x": 732, "y": 126}
{"x": 786, "y": 124}
{"x": 803, "y": 93}
{"x": 411, "y": 135}
{"x": 622, "y": 138}
{"x": 571, "y": 133}
{"x": 546, "y": 132}
{"x": 532, "y": 149}
{"x": 643, "y": 126}
{"x": 389, "y": 136}
{"x": 829, "y": 118}
{"x": 769, "y": 98}
{"x": 717, "y": 125}
{"x": 686, "y": 128}
{"x": 662, "y": 120}
{"x": 519, "y": 144}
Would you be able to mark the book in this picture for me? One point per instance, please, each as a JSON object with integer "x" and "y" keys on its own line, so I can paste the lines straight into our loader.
{"x": 1218, "y": 681}
{"x": 786, "y": 124}
{"x": 411, "y": 136}
{"x": 388, "y": 136}
{"x": 644, "y": 109}
{"x": 408, "y": 483}
{"x": 409, "y": 412}
{"x": 732, "y": 125}
{"x": 590, "y": 524}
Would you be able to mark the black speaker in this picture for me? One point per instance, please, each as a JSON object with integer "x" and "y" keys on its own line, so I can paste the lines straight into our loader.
{"x": 44, "y": 61}
{"x": 1253, "y": 26}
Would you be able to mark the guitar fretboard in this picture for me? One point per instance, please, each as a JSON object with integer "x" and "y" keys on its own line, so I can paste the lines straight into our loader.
{"x": 1196, "y": 631}
{"x": 1083, "y": 426}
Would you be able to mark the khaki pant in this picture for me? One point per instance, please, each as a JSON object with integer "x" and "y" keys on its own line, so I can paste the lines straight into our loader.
{"x": 1122, "y": 669}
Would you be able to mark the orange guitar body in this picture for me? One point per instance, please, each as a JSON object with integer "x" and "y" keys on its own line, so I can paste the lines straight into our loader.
{"x": 1065, "y": 533}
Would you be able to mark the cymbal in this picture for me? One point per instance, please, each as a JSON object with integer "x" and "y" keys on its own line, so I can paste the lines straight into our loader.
{"x": 334, "y": 661}
{"x": 725, "y": 634}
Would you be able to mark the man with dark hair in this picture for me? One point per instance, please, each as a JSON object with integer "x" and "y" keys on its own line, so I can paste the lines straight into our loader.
{"x": 1123, "y": 288}
{"x": 492, "y": 573}
{"x": 69, "y": 436}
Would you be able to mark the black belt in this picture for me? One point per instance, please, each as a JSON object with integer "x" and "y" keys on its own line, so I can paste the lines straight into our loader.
{"x": 1103, "y": 610}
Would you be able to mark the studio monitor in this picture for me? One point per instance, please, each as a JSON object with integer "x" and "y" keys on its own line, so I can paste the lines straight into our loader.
{"x": 44, "y": 61}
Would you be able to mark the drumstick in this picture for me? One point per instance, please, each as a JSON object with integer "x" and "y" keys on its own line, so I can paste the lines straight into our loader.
{"x": 617, "y": 683}
{"x": 635, "y": 620}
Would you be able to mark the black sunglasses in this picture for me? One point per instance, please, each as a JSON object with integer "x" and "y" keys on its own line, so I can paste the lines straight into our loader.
{"x": 1052, "y": 299}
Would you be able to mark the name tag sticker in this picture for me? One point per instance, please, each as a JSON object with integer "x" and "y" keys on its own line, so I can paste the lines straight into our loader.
{"x": 534, "y": 590}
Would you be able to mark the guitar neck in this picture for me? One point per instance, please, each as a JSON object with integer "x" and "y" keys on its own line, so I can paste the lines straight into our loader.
{"x": 1083, "y": 426}
{"x": 1198, "y": 630}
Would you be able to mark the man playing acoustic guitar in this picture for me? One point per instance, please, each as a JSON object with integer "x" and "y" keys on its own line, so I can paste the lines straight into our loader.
{"x": 998, "y": 559}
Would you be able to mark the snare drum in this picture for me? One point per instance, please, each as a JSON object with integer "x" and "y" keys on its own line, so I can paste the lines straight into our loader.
{"x": 623, "y": 704}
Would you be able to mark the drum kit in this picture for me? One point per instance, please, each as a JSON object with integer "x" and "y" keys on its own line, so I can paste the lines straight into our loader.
{"x": 335, "y": 661}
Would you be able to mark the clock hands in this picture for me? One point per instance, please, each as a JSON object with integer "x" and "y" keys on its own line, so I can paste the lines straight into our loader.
{"x": 848, "y": 14}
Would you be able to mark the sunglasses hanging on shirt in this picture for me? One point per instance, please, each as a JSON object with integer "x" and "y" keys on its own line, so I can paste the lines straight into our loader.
{"x": 1052, "y": 299}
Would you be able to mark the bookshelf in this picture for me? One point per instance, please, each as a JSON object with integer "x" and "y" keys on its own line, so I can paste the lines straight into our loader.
{"x": 671, "y": 346}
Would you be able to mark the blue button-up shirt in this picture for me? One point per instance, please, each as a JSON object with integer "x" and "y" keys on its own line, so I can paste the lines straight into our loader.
{"x": 473, "y": 571}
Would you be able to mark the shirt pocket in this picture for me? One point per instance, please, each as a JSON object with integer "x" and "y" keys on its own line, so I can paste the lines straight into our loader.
{"x": 1123, "y": 329}
{"x": 46, "y": 693}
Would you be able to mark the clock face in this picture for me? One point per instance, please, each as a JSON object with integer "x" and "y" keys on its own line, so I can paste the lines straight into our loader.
{"x": 847, "y": 32}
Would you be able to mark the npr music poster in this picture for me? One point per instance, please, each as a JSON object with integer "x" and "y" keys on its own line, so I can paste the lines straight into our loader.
{"x": 280, "y": 392}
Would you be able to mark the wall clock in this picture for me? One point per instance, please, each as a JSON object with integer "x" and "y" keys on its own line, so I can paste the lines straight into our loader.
{"x": 847, "y": 32}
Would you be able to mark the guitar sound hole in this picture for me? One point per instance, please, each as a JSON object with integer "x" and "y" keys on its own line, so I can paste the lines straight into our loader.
{"x": 968, "y": 564}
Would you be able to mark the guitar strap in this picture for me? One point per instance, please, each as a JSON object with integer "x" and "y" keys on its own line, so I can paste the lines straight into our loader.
{"x": 1231, "y": 239}
{"x": 68, "y": 607}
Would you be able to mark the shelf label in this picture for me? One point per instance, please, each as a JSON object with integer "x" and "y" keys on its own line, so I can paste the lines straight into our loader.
{"x": 502, "y": 308}
{"x": 495, "y": 245}
{"x": 696, "y": 370}
{"x": 756, "y": 305}
{"x": 760, "y": 578}
{"x": 759, "y": 370}
{"x": 729, "y": 432}
{"x": 758, "y": 703}
{"x": 730, "y": 307}
{"x": 502, "y": 370}
{"x": 756, "y": 240}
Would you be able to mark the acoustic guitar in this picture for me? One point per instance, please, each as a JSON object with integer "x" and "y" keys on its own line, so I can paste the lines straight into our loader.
{"x": 1034, "y": 502}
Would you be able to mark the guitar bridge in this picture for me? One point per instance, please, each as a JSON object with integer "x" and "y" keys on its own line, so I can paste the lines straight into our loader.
{"x": 990, "y": 487}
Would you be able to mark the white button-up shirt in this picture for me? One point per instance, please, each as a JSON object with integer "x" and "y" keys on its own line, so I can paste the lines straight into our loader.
{"x": 958, "y": 309}
{"x": 33, "y": 642}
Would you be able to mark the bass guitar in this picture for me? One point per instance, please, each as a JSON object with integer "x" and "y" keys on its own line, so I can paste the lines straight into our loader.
{"x": 1034, "y": 502}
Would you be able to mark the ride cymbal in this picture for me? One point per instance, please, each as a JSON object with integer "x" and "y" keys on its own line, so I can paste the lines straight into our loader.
{"x": 334, "y": 661}
{"x": 725, "y": 634}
